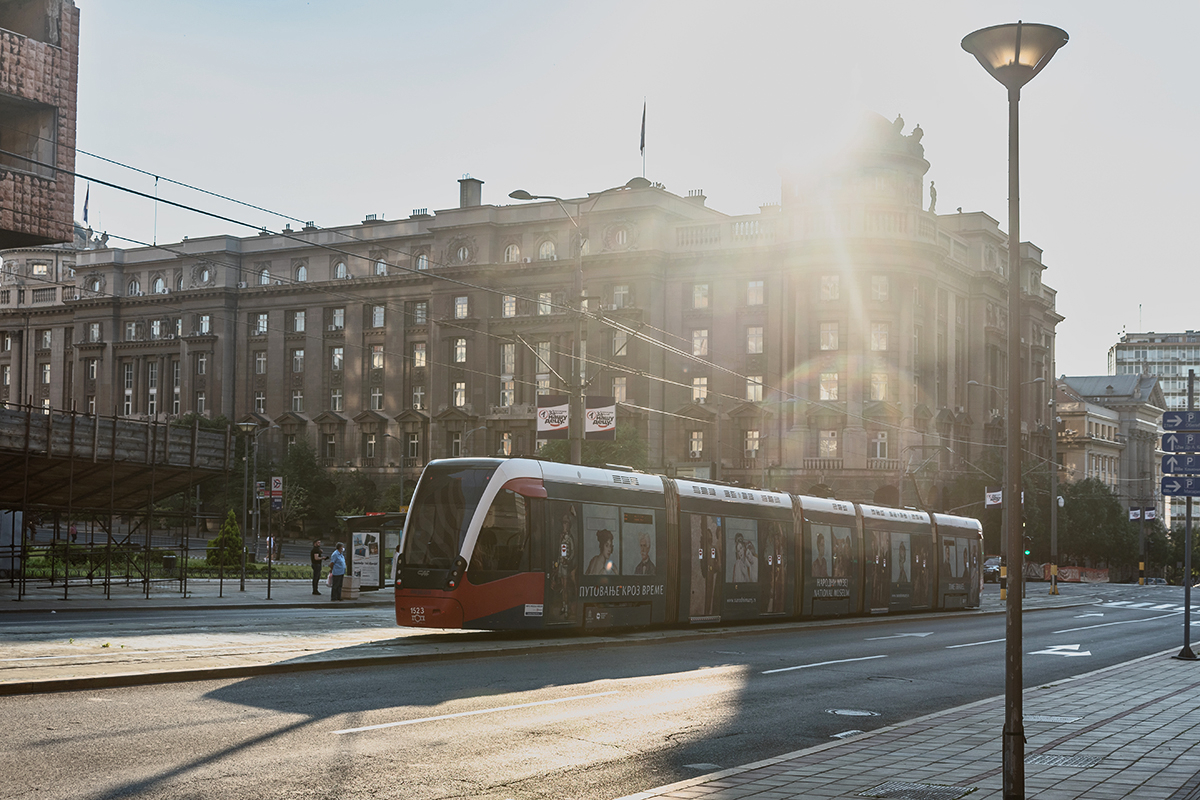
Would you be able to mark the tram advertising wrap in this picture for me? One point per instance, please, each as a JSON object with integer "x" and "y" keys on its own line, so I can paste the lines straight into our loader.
{"x": 521, "y": 544}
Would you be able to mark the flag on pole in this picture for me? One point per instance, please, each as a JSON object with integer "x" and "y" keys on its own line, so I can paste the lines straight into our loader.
{"x": 1135, "y": 513}
{"x": 87, "y": 196}
{"x": 643, "y": 127}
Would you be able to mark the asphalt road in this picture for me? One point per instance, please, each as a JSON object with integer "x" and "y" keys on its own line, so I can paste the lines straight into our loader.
{"x": 596, "y": 722}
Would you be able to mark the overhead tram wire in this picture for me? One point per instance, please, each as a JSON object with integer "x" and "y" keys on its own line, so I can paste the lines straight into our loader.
{"x": 637, "y": 334}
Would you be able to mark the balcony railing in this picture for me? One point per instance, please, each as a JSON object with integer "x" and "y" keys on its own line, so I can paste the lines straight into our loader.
{"x": 884, "y": 464}
{"x": 823, "y": 464}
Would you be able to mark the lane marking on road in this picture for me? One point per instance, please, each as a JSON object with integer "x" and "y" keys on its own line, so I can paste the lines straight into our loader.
{"x": 820, "y": 664}
{"x": 1123, "y": 622}
{"x": 973, "y": 644}
{"x": 1138, "y": 605}
{"x": 473, "y": 713}
{"x": 898, "y": 636}
{"x": 1172, "y": 606}
{"x": 1061, "y": 650}
{"x": 1096, "y": 614}
{"x": 1115, "y": 603}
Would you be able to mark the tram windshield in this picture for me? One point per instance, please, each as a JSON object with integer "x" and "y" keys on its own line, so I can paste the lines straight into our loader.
{"x": 440, "y": 513}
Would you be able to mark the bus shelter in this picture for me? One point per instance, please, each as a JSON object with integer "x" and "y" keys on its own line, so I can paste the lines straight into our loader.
{"x": 373, "y": 540}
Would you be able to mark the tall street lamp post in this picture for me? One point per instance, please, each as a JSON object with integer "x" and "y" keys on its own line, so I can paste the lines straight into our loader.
{"x": 1013, "y": 55}
{"x": 577, "y": 384}
{"x": 246, "y": 428}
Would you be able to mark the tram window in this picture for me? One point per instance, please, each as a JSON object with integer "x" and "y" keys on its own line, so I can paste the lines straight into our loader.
{"x": 441, "y": 512}
{"x": 503, "y": 543}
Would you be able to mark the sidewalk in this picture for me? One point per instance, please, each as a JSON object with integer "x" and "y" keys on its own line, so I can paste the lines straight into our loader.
{"x": 1132, "y": 730}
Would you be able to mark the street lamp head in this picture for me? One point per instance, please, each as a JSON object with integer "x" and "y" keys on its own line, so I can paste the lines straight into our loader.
{"x": 247, "y": 427}
{"x": 520, "y": 194}
{"x": 1014, "y": 53}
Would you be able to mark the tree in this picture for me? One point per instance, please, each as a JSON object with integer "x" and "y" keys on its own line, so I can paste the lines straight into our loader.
{"x": 226, "y": 549}
{"x": 1094, "y": 528}
{"x": 628, "y": 449}
{"x": 309, "y": 493}
{"x": 356, "y": 493}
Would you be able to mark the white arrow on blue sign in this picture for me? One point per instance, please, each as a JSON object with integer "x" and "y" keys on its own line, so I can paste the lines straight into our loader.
{"x": 1181, "y": 420}
{"x": 1181, "y": 441}
{"x": 1181, "y": 464}
{"x": 1181, "y": 487}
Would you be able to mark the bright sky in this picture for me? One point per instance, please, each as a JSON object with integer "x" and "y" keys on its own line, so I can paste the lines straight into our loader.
{"x": 329, "y": 111}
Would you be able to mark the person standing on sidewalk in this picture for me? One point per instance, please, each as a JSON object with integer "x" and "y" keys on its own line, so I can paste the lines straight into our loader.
{"x": 317, "y": 557}
{"x": 337, "y": 564}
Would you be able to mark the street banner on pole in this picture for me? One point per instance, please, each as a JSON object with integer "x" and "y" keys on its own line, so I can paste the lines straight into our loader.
{"x": 600, "y": 418}
{"x": 553, "y": 416}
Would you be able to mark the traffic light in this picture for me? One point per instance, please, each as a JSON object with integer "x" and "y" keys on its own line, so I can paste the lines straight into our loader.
{"x": 1028, "y": 543}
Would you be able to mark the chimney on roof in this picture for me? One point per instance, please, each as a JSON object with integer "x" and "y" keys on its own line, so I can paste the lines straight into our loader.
{"x": 470, "y": 192}
{"x": 696, "y": 196}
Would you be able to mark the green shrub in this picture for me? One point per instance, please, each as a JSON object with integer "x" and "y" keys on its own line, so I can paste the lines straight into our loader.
{"x": 226, "y": 549}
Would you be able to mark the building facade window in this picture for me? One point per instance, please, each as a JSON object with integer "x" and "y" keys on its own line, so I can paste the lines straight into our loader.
{"x": 827, "y": 444}
{"x": 829, "y": 336}
{"x": 91, "y": 367}
{"x": 829, "y": 386}
{"x": 878, "y": 446}
{"x": 512, "y": 254}
{"x": 508, "y": 393}
{"x": 700, "y": 295}
{"x": 201, "y": 403}
{"x": 335, "y": 399}
{"x": 700, "y": 342}
{"x": 368, "y": 445}
{"x": 340, "y": 272}
{"x": 413, "y": 449}
{"x": 508, "y": 358}
{"x": 621, "y": 297}
{"x": 46, "y": 339}
{"x": 700, "y": 389}
{"x": 420, "y": 312}
{"x": 619, "y": 389}
{"x": 879, "y": 386}
{"x": 205, "y": 324}
{"x": 754, "y": 388}
{"x": 297, "y": 400}
{"x": 508, "y": 306}
{"x": 330, "y": 448}
{"x": 754, "y": 293}
{"x": 260, "y": 324}
{"x": 460, "y": 351}
{"x": 751, "y": 441}
{"x": 460, "y": 394}
{"x": 260, "y": 402}
{"x": 336, "y": 358}
{"x": 545, "y": 303}
{"x": 94, "y": 334}
{"x": 378, "y": 316}
{"x": 202, "y": 363}
{"x": 264, "y": 277}
{"x": 45, "y": 374}
{"x": 376, "y": 356}
{"x": 301, "y": 274}
{"x": 418, "y": 397}
{"x": 423, "y": 261}
{"x": 696, "y": 444}
{"x": 297, "y": 322}
{"x": 879, "y": 288}
{"x": 338, "y": 321}
{"x": 260, "y": 362}
{"x": 620, "y": 343}
{"x": 298, "y": 360}
{"x": 546, "y": 251}
{"x": 376, "y": 398}
{"x": 461, "y": 307}
{"x": 831, "y": 287}
{"x": 754, "y": 339}
{"x": 380, "y": 267}
{"x": 879, "y": 336}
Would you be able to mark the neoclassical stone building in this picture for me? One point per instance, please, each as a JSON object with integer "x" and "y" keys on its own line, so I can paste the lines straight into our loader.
{"x": 835, "y": 342}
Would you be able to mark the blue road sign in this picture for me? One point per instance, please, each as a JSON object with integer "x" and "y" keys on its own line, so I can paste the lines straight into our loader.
{"x": 1181, "y": 420}
{"x": 1181, "y": 464}
{"x": 1181, "y": 441}
{"x": 1181, "y": 487}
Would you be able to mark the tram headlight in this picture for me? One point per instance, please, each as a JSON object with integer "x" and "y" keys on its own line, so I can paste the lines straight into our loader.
{"x": 456, "y": 572}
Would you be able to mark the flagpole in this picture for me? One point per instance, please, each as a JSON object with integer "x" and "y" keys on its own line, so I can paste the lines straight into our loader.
{"x": 643, "y": 137}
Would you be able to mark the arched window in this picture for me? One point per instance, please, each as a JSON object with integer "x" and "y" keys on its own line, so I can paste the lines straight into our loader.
{"x": 160, "y": 286}
{"x": 621, "y": 237}
{"x": 380, "y": 267}
{"x": 340, "y": 272}
{"x": 422, "y": 261}
{"x": 205, "y": 274}
{"x": 463, "y": 254}
{"x": 512, "y": 254}
{"x": 134, "y": 287}
{"x": 546, "y": 251}
{"x": 585, "y": 249}
{"x": 179, "y": 282}
{"x": 94, "y": 284}
{"x": 301, "y": 273}
{"x": 264, "y": 277}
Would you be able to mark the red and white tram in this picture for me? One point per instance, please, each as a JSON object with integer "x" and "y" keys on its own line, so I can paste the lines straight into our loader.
{"x": 520, "y": 543}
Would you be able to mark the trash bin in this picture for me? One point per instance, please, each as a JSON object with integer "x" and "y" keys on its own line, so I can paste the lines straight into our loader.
{"x": 169, "y": 562}
{"x": 351, "y": 586}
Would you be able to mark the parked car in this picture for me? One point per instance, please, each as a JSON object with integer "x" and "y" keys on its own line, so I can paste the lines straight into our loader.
{"x": 991, "y": 569}
{"x": 1156, "y": 581}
